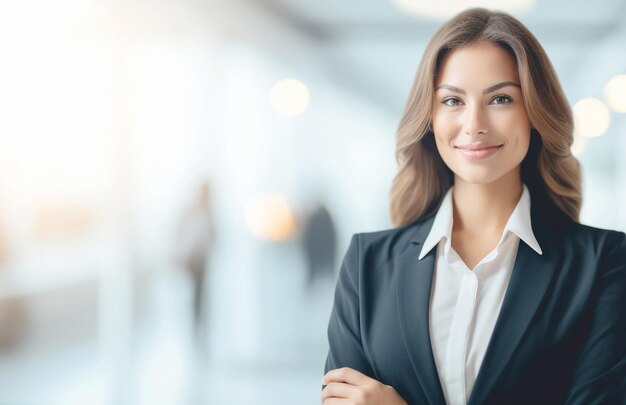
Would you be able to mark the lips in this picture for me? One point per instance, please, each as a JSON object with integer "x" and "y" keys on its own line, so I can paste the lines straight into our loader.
{"x": 477, "y": 146}
{"x": 477, "y": 151}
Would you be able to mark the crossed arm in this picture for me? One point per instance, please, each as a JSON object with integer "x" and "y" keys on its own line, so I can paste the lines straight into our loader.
{"x": 350, "y": 385}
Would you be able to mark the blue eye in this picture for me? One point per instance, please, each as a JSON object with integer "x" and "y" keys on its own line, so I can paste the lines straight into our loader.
{"x": 501, "y": 99}
{"x": 451, "y": 101}
{"x": 498, "y": 99}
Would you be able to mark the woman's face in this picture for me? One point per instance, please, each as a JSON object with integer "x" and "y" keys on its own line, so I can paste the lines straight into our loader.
{"x": 481, "y": 127}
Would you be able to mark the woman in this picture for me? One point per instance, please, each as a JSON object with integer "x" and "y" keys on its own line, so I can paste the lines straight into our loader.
{"x": 488, "y": 291}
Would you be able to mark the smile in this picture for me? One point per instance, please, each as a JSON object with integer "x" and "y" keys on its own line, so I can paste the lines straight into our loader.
{"x": 477, "y": 153}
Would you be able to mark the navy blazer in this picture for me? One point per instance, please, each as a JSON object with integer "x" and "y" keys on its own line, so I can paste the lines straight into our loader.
{"x": 560, "y": 336}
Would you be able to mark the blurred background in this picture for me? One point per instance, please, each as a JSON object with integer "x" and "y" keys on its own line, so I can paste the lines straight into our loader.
{"x": 180, "y": 179}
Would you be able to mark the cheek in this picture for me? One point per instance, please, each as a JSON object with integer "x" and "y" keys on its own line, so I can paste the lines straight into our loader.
{"x": 517, "y": 126}
{"x": 443, "y": 131}
{"x": 438, "y": 122}
{"x": 524, "y": 143}
{"x": 442, "y": 144}
{"x": 521, "y": 137}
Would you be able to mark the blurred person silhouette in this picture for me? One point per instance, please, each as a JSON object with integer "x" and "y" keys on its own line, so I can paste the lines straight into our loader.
{"x": 319, "y": 243}
{"x": 196, "y": 239}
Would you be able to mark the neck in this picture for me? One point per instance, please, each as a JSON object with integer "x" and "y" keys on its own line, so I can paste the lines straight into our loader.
{"x": 484, "y": 209}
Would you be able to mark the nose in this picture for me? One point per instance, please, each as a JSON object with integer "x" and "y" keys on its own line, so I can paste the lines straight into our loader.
{"x": 474, "y": 121}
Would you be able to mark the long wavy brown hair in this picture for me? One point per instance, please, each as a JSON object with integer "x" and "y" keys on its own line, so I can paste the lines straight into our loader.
{"x": 550, "y": 171}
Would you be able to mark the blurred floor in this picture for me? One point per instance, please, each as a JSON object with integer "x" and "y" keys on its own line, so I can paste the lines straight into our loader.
{"x": 168, "y": 368}
{"x": 287, "y": 372}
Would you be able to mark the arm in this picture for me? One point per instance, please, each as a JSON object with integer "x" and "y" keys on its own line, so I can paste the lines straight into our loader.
{"x": 344, "y": 336}
{"x": 600, "y": 374}
{"x": 348, "y": 373}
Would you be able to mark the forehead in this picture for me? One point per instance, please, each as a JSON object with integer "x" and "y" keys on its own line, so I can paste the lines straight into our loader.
{"x": 480, "y": 65}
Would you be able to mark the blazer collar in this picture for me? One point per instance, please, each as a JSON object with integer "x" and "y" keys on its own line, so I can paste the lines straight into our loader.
{"x": 529, "y": 282}
{"x": 413, "y": 286}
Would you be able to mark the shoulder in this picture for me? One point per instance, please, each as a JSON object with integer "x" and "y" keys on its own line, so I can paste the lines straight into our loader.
{"x": 392, "y": 240}
{"x": 594, "y": 243}
{"x": 592, "y": 236}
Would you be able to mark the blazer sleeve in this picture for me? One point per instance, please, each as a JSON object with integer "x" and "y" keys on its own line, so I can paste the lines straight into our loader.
{"x": 344, "y": 333}
{"x": 600, "y": 373}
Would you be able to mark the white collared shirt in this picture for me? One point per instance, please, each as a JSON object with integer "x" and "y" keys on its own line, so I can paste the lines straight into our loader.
{"x": 465, "y": 303}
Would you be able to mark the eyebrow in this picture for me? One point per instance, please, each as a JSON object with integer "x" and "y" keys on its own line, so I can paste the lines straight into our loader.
{"x": 486, "y": 91}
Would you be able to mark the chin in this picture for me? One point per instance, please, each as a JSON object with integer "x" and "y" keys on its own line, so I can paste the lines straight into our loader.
{"x": 476, "y": 175}
{"x": 483, "y": 175}
{"x": 477, "y": 179}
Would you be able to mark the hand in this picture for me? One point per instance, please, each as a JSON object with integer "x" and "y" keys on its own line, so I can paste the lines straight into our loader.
{"x": 346, "y": 386}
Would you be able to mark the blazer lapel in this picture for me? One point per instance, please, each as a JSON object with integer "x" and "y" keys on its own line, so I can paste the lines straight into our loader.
{"x": 529, "y": 282}
{"x": 413, "y": 287}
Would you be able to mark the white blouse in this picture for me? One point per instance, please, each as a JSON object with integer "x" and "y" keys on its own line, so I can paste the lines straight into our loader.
{"x": 465, "y": 303}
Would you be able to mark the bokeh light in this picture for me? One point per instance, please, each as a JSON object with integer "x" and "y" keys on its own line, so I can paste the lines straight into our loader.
{"x": 615, "y": 93}
{"x": 269, "y": 216}
{"x": 591, "y": 117}
{"x": 289, "y": 97}
{"x": 446, "y": 8}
